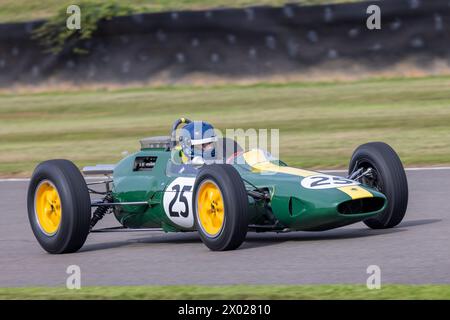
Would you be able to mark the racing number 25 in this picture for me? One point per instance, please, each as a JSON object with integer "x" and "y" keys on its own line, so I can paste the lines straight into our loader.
{"x": 324, "y": 180}
{"x": 179, "y": 196}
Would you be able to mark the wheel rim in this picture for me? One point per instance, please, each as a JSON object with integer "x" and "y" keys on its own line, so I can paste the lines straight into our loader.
{"x": 210, "y": 208}
{"x": 374, "y": 181}
{"x": 47, "y": 207}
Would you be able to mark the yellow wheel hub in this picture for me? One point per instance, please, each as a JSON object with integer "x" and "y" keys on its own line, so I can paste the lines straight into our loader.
{"x": 210, "y": 208}
{"x": 47, "y": 206}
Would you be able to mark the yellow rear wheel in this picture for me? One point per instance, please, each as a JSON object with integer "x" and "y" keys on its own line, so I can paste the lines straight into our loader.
{"x": 210, "y": 206}
{"x": 59, "y": 206}
{"x": 47, "y": 205}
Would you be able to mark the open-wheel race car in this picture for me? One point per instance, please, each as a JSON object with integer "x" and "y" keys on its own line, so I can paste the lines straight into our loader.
{"x": 168, "y": 185}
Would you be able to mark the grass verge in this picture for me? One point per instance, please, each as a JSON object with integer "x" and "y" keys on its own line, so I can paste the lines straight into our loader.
{"x": 320, "y": 123}
{"x": 238, "y": 292}
{"x": 24, "y": 10}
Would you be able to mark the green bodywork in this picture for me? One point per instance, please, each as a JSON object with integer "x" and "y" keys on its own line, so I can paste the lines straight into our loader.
{"x": 291, "y": 206}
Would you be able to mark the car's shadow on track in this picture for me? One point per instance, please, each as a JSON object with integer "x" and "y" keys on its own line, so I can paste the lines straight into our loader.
{"x": 175, "y": 238}
{"x": 255, "y": 240}
{"x": 266, "y": 239}
{"x": 262, "y": 240}
{"x": 418, "y": 222}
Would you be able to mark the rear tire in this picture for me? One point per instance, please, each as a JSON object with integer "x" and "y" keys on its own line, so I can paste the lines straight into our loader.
{"x": 390, "y": 180}
{"x": 73, "y": 201}
{"x": 233, "y": 229}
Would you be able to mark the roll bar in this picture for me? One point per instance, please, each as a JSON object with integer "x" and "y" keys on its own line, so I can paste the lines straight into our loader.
{"x": 173, "y": 133}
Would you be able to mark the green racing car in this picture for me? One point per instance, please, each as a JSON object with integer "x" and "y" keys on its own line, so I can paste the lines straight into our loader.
{"x": 195, "y": 181}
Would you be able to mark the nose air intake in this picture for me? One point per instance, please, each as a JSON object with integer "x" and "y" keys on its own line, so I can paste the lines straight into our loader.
{"x": 363, "y": 205}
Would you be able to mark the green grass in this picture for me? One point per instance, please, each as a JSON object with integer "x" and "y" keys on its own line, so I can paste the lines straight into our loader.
{"x": 239, "y": 292}
{"x": 320, "y": 123}
{"x": 24, "y": 10}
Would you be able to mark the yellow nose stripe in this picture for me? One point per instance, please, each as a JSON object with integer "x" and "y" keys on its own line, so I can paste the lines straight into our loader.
{"x": 258, "y": 161}
{"x": 268, "y": 166}
{"x": 356, "y": 192}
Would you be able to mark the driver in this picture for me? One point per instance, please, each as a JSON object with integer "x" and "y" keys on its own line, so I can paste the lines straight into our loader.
{"x": 197, "y": 139}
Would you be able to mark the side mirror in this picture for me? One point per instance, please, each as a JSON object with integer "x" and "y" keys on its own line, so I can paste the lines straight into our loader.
{"x": 197, "y": 161}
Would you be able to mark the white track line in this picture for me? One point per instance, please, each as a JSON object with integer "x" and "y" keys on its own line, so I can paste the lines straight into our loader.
{"x": 15, "y": 180}
{"x": 324, "y": 171}
{"x": 28, "y": 179}
{"x": 406, "y": 169}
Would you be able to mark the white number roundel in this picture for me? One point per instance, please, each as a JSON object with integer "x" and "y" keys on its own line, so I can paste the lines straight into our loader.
{"x": 324, "y": 181}
{"x": 177, "y": 202}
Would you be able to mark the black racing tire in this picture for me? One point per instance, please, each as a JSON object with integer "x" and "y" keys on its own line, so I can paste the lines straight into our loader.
{"x": 235, "y": 200}
{"x": 75, "y": 206}
{"x": 390, "y": 179}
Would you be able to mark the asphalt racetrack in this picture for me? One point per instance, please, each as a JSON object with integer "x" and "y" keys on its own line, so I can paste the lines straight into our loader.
{"x": 417, "y": 251}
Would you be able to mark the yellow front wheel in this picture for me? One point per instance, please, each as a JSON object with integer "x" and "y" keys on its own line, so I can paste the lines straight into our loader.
{"x": 220, "y": 207}
{"x": 210, "y": 208}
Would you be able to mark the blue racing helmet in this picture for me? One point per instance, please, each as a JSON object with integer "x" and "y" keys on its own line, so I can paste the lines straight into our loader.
{"x": 198, "y": 138}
